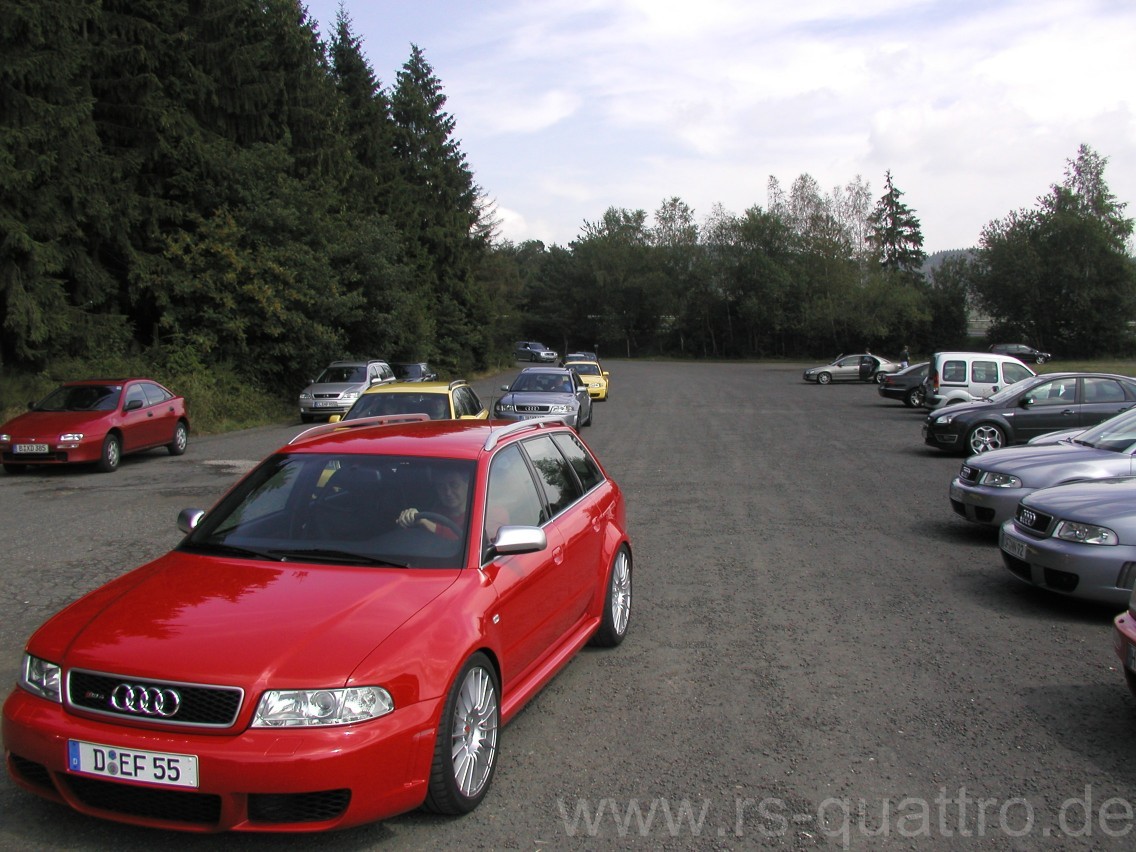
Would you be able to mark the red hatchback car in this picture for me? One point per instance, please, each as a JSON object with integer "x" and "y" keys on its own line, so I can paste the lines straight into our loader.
{"x": 338, "y": 640}
{"x": 96, "y": 421}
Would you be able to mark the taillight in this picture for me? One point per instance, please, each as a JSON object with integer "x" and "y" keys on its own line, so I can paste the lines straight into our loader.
{"x": 934, "y": 376}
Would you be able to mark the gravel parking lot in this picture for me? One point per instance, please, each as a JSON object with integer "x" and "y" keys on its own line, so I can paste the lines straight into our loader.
{"x": 820, "y": 655}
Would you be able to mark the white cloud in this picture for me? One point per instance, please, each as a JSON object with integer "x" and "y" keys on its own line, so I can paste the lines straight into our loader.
{"x": 566, "y": 107}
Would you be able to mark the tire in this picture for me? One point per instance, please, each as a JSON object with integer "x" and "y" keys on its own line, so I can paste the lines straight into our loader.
{"x": 617, "y": 603}
{"x": 465, "y": 749}
{"x": 177, "y": 446}
{"x": 823, "y": 378}
{"x": 14, "y": 469}
{"x": 914, "y": 398}
{"x": 985, "y": 437}
{"x": 111, "y": 454}
{"x": 1040, "y": 360}
{"x": 880, "y": 376}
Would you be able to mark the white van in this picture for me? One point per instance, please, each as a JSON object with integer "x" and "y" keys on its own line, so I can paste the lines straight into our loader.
{"x": 954, "y": 377}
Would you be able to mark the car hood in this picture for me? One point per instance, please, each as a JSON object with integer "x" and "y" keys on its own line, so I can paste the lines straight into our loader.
{"x": 1047, "y": 464}
{"x": 1096, "y": 502}
{"x": 209, "y": 620}
{"x": 47, "y": 424}
{"x": 960, "y": 409}
{"x": 335, "y": 387}
{"x": 531, "y": 398}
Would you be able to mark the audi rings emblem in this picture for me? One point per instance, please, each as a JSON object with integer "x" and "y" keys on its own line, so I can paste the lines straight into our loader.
{"x": 1028, "y": 518}
{"x": 145, "y": 700}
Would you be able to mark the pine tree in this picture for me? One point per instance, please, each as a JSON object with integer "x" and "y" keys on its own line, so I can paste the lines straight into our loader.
{"x": 895, "y": 234}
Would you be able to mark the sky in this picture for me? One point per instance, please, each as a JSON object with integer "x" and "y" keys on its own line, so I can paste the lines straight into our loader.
{"x": 565, "y": 108}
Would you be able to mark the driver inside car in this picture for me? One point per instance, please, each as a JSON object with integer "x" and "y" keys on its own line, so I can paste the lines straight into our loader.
{"x": 451, "y": 492}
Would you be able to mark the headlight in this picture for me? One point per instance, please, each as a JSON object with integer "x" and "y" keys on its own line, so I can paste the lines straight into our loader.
{"x": 70, "y": 437}
{"x": 999, "y": 480}
{"x": 505, "y": 406}
{"x": 944, "y": 419}
{"x": 5, "y": 438}
{"x": 560, "y": 409}
{"x": 41, "y": 678}
{"x": 305, "y": 395}
{"x": 1085, "y": 533}
{"x": 349, "y": 395}
{"x": 302, "y": 708}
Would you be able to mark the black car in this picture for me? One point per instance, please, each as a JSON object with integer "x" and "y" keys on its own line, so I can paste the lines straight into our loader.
{"x": 1022, "y": 352}
{"x": 1029, "y": 408}
{"x": 413, "y": 371}
{"x": 906, "y": 385}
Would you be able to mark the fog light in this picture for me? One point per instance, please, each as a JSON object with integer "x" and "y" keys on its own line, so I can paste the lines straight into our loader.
{"x": 1127, "y": 575}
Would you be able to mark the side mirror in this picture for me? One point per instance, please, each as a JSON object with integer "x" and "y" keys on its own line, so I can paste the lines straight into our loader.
{"x": 335, "y": 418}
{"x": 504, "y": 387}
{"x": 134, "y": 405}
{"x": 517, "y": 539}
{"x": 188, "y": 519}
{"x": 1025, "y": 402}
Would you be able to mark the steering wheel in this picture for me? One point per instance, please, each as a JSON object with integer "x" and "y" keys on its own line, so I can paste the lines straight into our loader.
{"x": 448, "y": 523}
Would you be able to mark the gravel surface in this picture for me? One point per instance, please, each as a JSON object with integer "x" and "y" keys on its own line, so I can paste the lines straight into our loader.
{"x": 821, "y": 654}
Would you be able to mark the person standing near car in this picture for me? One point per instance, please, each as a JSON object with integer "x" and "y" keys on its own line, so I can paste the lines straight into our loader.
{"x": 867, "y": 365}
{"x": 904, "y": 358}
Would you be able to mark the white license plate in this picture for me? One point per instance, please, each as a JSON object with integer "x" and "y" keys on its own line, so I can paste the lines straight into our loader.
{"x": 29, "y": 448}
{"x": 1014, "y": 547}
{"x": 155, "y": 767}
{"x": 324, "y": 404}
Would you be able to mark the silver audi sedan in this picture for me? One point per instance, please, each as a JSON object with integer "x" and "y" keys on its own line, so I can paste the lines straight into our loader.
{"x": 989, "y": 486}
{"x": 1078, "y": 540}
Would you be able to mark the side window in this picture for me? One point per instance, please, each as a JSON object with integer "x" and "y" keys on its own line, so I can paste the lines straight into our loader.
{"x": 133, "y": 393}
{"x": 1058, "y": 392}
{"x": 1014, "y": 373}
{"x": 154, "y": 394}
{"x": 954, "y": 371}
{"x": 984, "y": 372}
{"x": 511, "y": 496}
{"x": 1103, "y": 390}
{"x": 580, "y": 460}
{"x": 556, "y": 478}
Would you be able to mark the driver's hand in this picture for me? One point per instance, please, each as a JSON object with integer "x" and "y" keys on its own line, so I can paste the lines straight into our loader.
{"x": 407, "y": 518}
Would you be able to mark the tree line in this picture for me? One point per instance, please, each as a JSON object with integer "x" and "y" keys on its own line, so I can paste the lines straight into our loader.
{"x": 211, "y": 183}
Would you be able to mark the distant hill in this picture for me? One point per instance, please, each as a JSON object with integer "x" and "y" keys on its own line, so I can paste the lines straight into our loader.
{"x": 935, "y": 260}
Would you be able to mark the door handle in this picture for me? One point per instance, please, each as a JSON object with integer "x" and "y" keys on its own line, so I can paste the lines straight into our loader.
{"x": 558, "y": 554}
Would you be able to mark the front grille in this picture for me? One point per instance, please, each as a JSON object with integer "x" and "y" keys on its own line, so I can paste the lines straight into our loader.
{"x": 32, "y": 772}
{"x": 148, "y": 802}
{"x": 533, "y": 409}
{"x": 1062, "y": 581}
{"x": 319, "y": 806}
{"x": 326, "y": 395}
{"x": 983, "y": 514}
{"x": 206, "y": 706}
{"x": 1033, "y": 520}
{"x": 968, "y": 473}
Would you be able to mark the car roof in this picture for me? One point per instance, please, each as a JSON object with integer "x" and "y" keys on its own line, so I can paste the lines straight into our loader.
{"x": 109, "y": 381}
{"x": 448, "y": 439}
{"x": 417, "y": 387}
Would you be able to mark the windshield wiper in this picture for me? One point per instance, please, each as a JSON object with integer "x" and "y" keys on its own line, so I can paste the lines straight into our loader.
{"x": 333, "y": 555}
{"x": 236, "y": 550}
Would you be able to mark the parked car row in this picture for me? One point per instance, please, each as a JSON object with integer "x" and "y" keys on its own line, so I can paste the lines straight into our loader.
{"x": 1051, "y": 464}
{"x": 341, "y": 638}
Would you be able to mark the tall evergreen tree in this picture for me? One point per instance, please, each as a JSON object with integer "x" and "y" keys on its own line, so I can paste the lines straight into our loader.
{"x": 896, "y": 235}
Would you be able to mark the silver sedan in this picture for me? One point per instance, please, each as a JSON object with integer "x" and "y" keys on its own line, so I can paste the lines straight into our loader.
{"x": 990, "y": 486}
{"x": 1078, "y": 540}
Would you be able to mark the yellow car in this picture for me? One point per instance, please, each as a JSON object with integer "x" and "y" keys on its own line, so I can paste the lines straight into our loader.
{"x": 454, "y": 400}
{"x": 595, "y": 377}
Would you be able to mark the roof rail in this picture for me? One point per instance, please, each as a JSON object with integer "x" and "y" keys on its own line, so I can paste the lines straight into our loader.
{"x": 378, "y": 420}
{"x": 499, "y": 432}
{"x": 457, "y": 382}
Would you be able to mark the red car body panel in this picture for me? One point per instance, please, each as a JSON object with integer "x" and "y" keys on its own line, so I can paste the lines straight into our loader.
{"x": 140, "y": 429}
{"x": 254, "y": 625}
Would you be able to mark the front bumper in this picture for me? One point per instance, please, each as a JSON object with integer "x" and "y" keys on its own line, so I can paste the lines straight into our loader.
{"x": 89, "y": 450}
{"x": 980, "y": 504}
{"x": 1084, "y": 571}
{"x": 263, "y": 780}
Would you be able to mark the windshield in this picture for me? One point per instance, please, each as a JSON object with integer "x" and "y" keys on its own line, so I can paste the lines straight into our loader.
{"x": 409, "y": 371}
{"x": 542, "y": 383}
{"x": 82, "y": 398}
{"x": 342, "y": 375}
{"x": 345, "y": 509}
{"x": 586, "y": 369}
{"x": 1117, "y": 434}
{"x": 1010, "y": 391}
{"x": 436, "y": 405}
